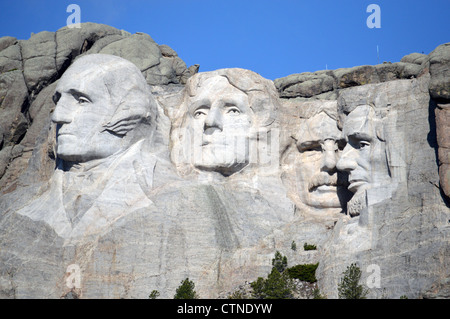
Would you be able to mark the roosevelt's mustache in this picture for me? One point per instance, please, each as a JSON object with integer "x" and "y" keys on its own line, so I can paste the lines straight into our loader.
{"x": 324, "y": 178}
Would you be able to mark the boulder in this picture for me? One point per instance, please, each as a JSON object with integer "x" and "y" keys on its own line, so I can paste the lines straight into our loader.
{"x": 440, "y": 73}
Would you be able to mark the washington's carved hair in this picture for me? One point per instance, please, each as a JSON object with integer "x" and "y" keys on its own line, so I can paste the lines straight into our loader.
{"x": 127, "y": 89}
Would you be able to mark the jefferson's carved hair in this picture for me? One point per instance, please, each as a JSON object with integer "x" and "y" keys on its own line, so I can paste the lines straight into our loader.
{"x": 261, "y": 92}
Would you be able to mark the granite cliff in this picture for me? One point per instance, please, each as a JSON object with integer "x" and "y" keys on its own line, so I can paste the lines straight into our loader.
{"x": 206, "y": 174}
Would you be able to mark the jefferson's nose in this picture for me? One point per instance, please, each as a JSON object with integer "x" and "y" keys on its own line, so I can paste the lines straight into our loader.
{"x": 329, "y": 156}
{"x": 347, "y": 162}
{"x": 213, "y": 120}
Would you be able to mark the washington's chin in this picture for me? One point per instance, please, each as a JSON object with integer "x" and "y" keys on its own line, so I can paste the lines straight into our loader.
{"x": 78, "y": 157}
{"x": 68, "y": 157}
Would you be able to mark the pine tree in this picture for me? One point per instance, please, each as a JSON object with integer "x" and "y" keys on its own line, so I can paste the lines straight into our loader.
{"x": 279, "y": 262}
{"x": 154, "y": 294}
{"x": 186, "y": 290}
{"x": 278, "y": 285}
{"x": 349, "y": 287}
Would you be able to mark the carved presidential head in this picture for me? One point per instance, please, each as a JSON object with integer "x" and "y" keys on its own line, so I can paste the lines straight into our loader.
{"x": 103, "y": 105}
{"x": 221, "y": 114}
{"x": 365, "y": 156}
{"x": 319, "y": 143}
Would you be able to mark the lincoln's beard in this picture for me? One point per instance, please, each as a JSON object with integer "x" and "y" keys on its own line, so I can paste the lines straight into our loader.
{"x": 356, "y": 204}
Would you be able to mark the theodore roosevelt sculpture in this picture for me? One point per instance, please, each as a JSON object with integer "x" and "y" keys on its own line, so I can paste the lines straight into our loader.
{"x": 319, "y": 143}
{"x": 221, "y": 115}
{"x": 105, "y": 118}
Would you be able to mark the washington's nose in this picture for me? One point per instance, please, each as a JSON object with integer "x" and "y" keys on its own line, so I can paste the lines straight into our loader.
{"x": 213, "y": 120}
{"x": 329, "y": 158}
{"x": 61, "y": 115}
{"x": 347, "y": 160}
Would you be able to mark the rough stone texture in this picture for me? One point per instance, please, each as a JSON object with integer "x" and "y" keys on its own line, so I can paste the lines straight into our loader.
{"x": 443, "y": 139}
{"x": 144, "y": 224}
{"x": 315, "y": 84}
{"x": 439, "y": 61}
{"x": 440, "y": 73}
{"x": 415, "y": 58}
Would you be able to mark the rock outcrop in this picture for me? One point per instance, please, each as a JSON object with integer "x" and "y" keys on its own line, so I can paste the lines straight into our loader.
{"x": 217, "y": 172}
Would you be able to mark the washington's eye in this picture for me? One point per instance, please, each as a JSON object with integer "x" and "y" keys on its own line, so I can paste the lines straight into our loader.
{"x": 82, "y": 100}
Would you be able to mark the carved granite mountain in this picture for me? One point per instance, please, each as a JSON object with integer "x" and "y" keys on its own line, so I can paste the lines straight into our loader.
{"x": 216, "y": 172}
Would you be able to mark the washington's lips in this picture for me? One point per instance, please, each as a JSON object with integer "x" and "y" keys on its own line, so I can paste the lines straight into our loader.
{"x": 63, "y": 134}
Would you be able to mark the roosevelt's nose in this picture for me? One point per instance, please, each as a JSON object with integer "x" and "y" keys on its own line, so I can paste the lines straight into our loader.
{"x": 347, "y": 161}
{"x": 329, "y": 156}
{"x": 213, "y": 120}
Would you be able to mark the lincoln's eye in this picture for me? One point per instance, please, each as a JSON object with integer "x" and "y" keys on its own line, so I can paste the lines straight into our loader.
{"x": 363, "y": 144}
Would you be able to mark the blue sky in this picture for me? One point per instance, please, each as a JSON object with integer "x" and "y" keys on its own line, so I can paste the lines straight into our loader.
{"x": 273, "y": 38}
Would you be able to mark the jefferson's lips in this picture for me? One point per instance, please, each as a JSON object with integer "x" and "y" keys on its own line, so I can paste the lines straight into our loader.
{"x": 212, "y": 143}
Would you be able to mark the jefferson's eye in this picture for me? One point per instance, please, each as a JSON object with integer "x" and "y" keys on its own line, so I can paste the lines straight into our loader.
{"x": 233, "y": 111}
{"x": 341, "y": 144}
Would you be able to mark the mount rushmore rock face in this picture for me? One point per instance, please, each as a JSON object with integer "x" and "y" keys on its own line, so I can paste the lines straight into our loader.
{"x": 123, "y": 171}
